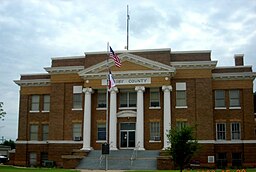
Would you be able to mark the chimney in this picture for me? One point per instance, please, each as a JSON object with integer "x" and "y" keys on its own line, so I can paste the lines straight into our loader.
{"x": 239, "y": 59}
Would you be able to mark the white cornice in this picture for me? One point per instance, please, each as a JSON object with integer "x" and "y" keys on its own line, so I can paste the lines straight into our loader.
{"x": 33, "y": 82}
{"x": 64, "y": 69}
{"x": 191, "y": 52}
{"x": 130, "y": 74}
{"x": 230, "y": 67}
{"x": 194, "y": 64}
{"x": 234, "y": 76}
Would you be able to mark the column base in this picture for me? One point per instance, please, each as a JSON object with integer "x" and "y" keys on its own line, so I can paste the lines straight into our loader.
{"x": 141, "y": 149}
{"x": 87, "y": 148}
{"x": 113, "y": 148}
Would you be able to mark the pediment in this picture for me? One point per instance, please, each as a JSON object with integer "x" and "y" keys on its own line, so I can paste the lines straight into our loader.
{"x": 131, "y": 65}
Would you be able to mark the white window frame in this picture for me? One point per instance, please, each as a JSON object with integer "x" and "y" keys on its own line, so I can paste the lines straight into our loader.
{"x": 235, "y": 132}
{"x": 154, "y": 98}
{"x": 45, "y": 132}
{"x": 217, "y": 132}
{"x": 33, "y": 132}
{"x": 77, "y": 98}
{"x": 233, "y": 98}
{"x": 47, "y": 103}
{"x": 218, "y": 99}
{"x": 101, "y": 99}
{"x": 128, "y": 94}
{"x": 181, "y": 89}
{"x": 35, "y": 103}
{"x": 77, "y": 131}
{"x": 101, "y": 125}
{"x": 154, "y": 128}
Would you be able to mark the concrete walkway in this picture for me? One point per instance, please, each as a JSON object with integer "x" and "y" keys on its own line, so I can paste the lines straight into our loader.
{"x": 101, "y": 170}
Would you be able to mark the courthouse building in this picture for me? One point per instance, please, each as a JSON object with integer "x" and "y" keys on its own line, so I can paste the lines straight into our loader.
{"x": 156, "y": 90}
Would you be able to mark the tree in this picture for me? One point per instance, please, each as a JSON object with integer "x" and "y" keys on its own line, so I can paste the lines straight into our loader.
{"x": 183, "y": 146}
{"x": 10, "y": 143}
{"x": 2, "y": 112}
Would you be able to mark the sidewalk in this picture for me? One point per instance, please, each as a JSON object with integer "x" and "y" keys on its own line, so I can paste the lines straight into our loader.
{"x": 101, "y": 170}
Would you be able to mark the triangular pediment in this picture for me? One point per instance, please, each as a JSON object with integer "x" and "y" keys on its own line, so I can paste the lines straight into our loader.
{"x": 131, "y": 65}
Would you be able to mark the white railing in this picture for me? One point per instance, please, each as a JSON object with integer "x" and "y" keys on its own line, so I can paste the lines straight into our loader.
{"x": 134, "y": 153}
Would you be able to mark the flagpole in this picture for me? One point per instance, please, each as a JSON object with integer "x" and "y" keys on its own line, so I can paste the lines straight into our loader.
{"x": 127, "y": 29}
{"x": 107, "y": 105}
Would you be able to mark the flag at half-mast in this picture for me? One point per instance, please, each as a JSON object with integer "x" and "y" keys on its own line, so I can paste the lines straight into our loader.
{"x": 115, "y": 57}
{"x": 111, "y": 81}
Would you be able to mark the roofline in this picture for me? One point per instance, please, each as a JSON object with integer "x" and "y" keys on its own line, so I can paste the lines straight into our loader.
{"x": 229, "y": 67}
{"x": 34, "y": 74}
{"x": 193, "y": 51}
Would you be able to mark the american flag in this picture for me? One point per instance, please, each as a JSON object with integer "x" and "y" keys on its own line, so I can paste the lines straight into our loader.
{"x": 114, "y": 56}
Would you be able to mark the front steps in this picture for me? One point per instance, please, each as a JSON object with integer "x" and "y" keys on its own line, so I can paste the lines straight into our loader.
{"x": 120, "y": 160}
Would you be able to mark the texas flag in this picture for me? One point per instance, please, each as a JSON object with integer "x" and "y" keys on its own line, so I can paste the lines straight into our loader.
{"x": 111, "y": 81}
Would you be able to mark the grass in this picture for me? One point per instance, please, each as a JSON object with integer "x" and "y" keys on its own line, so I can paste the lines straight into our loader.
{"x": 5, "y": 168}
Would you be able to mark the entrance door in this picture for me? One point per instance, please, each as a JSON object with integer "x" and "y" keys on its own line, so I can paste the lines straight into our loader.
{"x": 127, "y": 135}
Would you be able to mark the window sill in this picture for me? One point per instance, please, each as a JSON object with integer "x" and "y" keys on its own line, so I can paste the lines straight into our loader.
{"x": 235, "y": 108}
{"x": 153, "y": 141}
{"x": 101, "y": 141}
{"x": 45, "y": 111}
{"x": 181, "y": 107}
{"x": 75, "y": 109}
{"x": 155, "y": 107}
{"x": 101, "y": 108}
{"x": 220, "y": 108}
{"x": 34, "y": 111}
{"x": 127, "y": 108}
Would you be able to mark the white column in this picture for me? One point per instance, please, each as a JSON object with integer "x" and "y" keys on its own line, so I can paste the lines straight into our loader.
{"x": 112, "y": 119}
{"x": 140, "y": 118}
{"x": 87, "y": 119}
{"x": 167, "y": 113}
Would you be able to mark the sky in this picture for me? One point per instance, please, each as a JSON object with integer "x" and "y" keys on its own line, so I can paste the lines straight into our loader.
{"x": 34, "y": 31}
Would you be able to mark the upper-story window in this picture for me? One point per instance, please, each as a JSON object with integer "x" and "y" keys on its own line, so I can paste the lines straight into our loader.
{"x": 101, "y": 99}
{"x": 77, "y": 97}
{"x": 235, "y": 131}
{"x": 181, "y": 95}
{"x": 128, "y": 98}
{"x": 35, "y": 101}
{"x": 45, "y": 130}
{"x": 33, "y": 132}
{"x": 221, "y": 131}
{"x": 220, "y": 98}
{"x": 46, "y": 106}
{"x": 234, "y": 98}
{"x": 154, "y": 97}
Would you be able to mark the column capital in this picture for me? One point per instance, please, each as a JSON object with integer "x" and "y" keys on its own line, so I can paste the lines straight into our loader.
{"x": 140, "y": 88}
{"x": 167, "y": 88}
{"x": 87, "y": 90}
{"x": 113, "y": 89}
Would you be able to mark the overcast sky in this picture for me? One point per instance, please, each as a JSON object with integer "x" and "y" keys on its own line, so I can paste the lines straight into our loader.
{"x": 34, "y": 31}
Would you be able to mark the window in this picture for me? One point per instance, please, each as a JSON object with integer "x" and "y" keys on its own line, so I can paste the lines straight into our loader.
{"x": 237, "y": 159}
{"x": 181, "y": 98}
{"x": 46, "y": 103}
{"x": 234, "y": 98}
{"x": 33, "y": 132}
{"x": 181, "y": 124}
{"x": 101, "y": 131}
{"x": 77, "y": 97}
{"x": 155, "y": 131}
{"x": 235, "y": 131}
{"x": 220, "y": 98}
{"x": 101, "y": 99}
{"x": 45, "y": 132}
{"x": 35, "y": 103}
{"x": 221, "y": 160}
{"x": 128, "y": 98}
{"x": 154, "y": 97}
{"x": 44, "y": 157}
{"x": 221, "y": 131}
{"x": 32, "y": 158}
{"x": 77, "y": 131}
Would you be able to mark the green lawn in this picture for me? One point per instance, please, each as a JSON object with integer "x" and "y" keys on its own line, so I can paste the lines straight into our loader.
{"x": 21, "y": 169}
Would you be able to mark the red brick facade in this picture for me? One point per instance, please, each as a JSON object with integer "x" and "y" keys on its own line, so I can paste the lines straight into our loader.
{"x": 195, "y": 69}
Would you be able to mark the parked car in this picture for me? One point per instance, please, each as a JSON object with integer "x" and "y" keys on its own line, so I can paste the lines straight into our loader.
{"x": 3, "y": 159}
